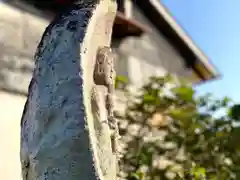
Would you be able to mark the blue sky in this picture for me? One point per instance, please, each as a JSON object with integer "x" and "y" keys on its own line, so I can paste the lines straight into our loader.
{"x": 214, "y": 25}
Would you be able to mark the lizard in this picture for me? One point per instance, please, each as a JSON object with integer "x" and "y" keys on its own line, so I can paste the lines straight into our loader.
{"x": 104, "y": 74}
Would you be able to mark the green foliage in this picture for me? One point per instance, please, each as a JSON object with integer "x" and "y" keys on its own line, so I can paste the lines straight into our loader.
{"x": 234, "y": 112}
{"x": 191, "y": 138}
{"x": 121, "y": 82}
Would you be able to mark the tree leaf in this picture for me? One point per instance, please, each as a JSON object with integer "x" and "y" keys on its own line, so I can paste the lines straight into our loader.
{"x": 184, "y": 93}
{"x": 149, "y": 98}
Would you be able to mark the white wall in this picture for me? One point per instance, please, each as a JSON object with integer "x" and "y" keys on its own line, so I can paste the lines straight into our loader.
{"x": 11, "y": 109}
{"x": 148, "y": 55}
{"x": 20, "y": 33}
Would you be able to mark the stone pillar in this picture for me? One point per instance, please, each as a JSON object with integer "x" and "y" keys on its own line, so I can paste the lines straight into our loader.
{"x": 58, "y": 126}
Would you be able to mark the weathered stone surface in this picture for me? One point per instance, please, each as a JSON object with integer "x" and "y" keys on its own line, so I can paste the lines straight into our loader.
{"x": 58, "y": 128}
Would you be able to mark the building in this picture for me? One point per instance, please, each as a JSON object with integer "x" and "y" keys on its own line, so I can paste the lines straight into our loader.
{"x": 150, "y": 41}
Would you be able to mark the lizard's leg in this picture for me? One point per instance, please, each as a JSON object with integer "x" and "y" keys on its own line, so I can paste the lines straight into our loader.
{"x": 112, "y": 123}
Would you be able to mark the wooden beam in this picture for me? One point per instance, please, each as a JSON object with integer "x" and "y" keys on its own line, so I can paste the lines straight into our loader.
{"x": 124, "y": 26}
